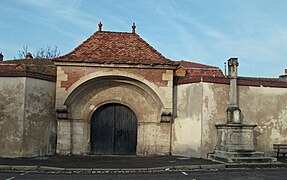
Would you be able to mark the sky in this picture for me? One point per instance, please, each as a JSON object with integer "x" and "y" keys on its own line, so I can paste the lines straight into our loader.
{"x": 208, "y": 32}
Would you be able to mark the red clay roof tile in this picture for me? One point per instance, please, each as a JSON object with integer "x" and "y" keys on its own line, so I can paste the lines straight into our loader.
{"x": 116, "y": 47}
{"x": 193, "y": 65}
{"x": 43, "y": 66}
{"x": 197, "y": 69}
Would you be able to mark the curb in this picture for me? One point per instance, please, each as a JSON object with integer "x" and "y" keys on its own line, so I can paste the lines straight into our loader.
{"x": 50, "y": 168}
{"x": 213, "y": 166}
{"x": 24, "y": 168}
{"x": 5, "y": 167}
{"x": 255, "y": 165}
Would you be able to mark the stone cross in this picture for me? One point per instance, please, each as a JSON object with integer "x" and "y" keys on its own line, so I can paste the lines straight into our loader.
{"x": 233, "y": 111}
{"x": 232, "y": 67}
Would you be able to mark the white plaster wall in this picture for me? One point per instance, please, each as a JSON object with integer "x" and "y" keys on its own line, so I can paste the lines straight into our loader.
{"x": 186, "y": 135}
{"x": 40, "y": 119}
{"x": 199, "y": 106}
{"x": 267, "y": 108}
{"x": 264, "y": 106}
{"x": 214, "y": 106}
{"x": 12, "y": 92}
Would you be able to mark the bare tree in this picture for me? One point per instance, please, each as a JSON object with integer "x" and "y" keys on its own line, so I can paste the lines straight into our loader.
{"x": 40, "y": 53}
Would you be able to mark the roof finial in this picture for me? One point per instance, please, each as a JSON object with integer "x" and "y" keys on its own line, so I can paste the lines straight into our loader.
{"x": 100, "y": 26}
{"x": 134, "y": 28}
{"x": 1, "y": 56}
{"x": 29, "y": 56}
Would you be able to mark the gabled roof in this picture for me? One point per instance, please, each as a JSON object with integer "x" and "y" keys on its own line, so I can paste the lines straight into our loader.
{"x": 116, "y": 47}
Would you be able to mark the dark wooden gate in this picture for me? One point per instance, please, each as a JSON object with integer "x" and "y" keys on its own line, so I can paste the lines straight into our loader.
{"x": 113, "y": 130}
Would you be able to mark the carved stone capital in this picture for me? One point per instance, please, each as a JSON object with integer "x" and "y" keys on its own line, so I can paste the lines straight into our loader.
{"x": 166, "y": 117}
{"x": 62, "y": 112}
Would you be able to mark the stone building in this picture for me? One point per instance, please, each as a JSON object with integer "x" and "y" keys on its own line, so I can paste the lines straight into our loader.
{"x": 114, "y": 90}
{"x": 115, "y": 94}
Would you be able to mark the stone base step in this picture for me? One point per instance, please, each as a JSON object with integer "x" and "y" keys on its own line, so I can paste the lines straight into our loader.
{"x": 238, "y": 159}
{"x": 239, "y": 153}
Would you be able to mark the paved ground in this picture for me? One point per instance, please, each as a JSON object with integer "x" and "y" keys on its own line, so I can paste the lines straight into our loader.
{"x": 115, "y": 164}
{"x": 241, "y": 174}
{"x": 107, "y": 161}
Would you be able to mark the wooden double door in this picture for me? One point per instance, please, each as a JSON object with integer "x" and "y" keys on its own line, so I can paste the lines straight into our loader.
{"x": 113, "y": 130}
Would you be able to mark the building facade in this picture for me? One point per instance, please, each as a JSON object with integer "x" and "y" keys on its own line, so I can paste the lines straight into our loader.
{"x": 114, "y": 94}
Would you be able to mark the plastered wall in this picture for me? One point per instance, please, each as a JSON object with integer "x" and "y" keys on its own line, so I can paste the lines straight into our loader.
{"x": 40, "y": 119}
{"x": 27, "y": 117}
{"x": 12, "y": 102}
{"x": 186, "y": 134}
{"x": 264, "y": 106}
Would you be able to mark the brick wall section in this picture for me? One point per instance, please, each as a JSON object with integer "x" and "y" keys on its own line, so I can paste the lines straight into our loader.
{"x": 75, "y": 73}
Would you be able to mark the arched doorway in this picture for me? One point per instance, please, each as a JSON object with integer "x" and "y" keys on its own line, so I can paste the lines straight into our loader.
{"x": 113, "y": 130}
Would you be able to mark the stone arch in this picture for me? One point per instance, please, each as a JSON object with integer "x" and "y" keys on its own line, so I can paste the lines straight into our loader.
{"x": 95, "y": 86}
{"x": 138, "y": 96}
{"x": 145, "y": 84}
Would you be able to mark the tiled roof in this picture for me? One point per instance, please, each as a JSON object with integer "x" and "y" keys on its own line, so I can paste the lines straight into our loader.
{"x": 24, "y": 73}
{"x": 192, "y": 65}
{"x": 36, "y": 68}
{"x": 197, "y": 69}
{"x": 116, "y": 47}
{"x": 242, "y": 81}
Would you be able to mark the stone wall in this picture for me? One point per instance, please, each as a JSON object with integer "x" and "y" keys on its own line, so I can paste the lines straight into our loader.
{"x": 264, "y": 106}
{"x": 27, "y": 117}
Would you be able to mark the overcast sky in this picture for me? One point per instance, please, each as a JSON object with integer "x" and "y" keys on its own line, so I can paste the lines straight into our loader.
{"x": 209, "y": 31}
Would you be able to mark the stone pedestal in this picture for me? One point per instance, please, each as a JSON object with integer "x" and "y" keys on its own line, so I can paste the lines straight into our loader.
{"x": 235, "y": 137}
{"x": 236, "y": 142}
{"x": 236, "y": 145}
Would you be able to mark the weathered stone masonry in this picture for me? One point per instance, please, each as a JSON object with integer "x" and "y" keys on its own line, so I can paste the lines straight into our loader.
{"x": 148, "y": 97}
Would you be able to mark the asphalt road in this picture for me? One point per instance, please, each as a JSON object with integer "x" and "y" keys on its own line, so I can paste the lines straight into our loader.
{"x": 242, "y": 174}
